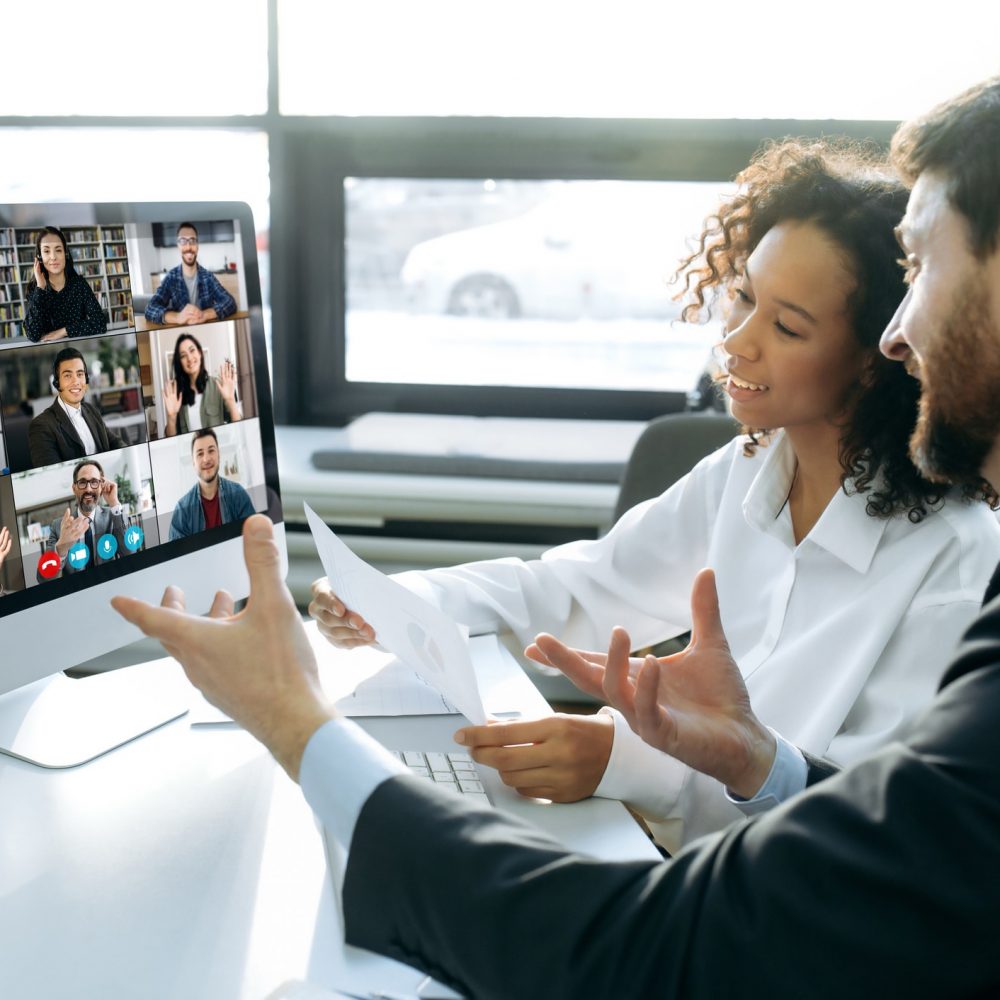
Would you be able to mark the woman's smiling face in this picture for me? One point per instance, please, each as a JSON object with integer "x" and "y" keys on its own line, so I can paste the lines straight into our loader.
{"x": 792, "y": 357}
{"x": 190, "y": 357}
{"x": 53, "y": 254}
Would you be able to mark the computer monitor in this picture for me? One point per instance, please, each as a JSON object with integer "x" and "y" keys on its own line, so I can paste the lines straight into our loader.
{"x": 136, "y": 436}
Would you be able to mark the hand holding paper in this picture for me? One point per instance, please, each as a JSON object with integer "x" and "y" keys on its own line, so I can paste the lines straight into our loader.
{"x": 422, "y": 636}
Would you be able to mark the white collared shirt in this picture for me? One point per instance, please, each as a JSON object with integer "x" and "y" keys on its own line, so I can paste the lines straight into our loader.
{"x": 75, "y": 415}
{"x": 841, "y": 639}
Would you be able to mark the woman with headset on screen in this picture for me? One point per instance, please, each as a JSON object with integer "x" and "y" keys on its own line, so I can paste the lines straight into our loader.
{"x": 60, "y": 302}
{"x": 810, "y": 519}
{"x": 193, "y": 399}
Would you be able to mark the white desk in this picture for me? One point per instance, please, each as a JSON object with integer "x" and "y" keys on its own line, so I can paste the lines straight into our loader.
{"x": 187, "y": 866}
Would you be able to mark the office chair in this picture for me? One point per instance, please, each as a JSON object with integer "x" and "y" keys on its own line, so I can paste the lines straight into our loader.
{"x": 667, "y": 450}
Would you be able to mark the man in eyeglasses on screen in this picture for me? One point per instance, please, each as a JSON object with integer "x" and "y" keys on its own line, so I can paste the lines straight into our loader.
{"x": 95, "y": 532}
{"x": 190, "y": 293}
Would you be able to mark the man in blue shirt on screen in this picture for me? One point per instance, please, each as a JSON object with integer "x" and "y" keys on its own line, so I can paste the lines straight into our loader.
{"x": 213, "y": 500}
{"x": 190, "y": 293}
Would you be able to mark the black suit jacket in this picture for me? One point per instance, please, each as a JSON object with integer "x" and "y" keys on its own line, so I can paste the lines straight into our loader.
{"x": 52, "y": 437}
{"x": 881, "y": 881}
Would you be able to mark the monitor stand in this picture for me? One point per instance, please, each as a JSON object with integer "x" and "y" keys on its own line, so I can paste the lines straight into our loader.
{"x": 59, "y": 722}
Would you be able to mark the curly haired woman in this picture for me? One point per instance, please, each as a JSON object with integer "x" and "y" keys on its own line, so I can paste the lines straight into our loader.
{"x": 843, "y": 576}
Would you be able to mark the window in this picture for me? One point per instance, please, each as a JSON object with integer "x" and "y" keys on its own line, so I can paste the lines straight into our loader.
{"x": 633, "y": 59}
{"x": 122, "y": 59}
{"x": 543, "y": 283}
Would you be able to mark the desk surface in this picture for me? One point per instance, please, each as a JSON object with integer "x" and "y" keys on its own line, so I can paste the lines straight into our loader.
{"x": 142, "y": 324}
{"x": 187, "y": 865}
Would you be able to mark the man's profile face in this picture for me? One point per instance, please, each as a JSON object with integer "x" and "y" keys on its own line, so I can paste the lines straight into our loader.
{"x": 187, "y": 243}
{"x": 205, "y": 458}
{"x": 87, "y": 487}
{"x": 947, "y": 330}
{"x": 71, "y": 377}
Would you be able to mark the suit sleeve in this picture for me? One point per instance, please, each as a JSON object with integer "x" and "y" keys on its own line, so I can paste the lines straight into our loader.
{"x": 42, "y": 447}
{"x": 879, "y": 881}
{"x": 118, "y": 530}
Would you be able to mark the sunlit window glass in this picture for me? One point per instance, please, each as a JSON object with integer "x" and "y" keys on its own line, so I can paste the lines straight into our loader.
{"x": 632, "y": 59}
{"x": 122, "y": 58}
{"x": 522, "y": 283}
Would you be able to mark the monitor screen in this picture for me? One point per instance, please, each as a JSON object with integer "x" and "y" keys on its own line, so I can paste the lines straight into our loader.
{"x": 135, "y": 418}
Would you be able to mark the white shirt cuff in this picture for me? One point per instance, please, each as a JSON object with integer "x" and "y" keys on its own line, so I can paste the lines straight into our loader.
{"x": 646, "y": 778}
{"x": 786, "y": 778}
{"x": 341, "y": 767}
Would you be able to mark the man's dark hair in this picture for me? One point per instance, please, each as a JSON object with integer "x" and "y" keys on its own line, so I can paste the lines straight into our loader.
{"x": 87, "y": 461}
{"x": 187, "y": 225}
{"x": 960, "y": 140}
{"x": 66, "y": 354}
{"x": 207, "y": 432}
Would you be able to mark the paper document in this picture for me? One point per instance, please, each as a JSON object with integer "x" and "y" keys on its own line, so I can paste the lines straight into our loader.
{"x": 422, "y": 636}
{"x": 395, "y": 690}
{"x": 360, "y": 682}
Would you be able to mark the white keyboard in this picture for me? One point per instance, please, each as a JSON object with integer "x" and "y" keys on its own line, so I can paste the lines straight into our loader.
{"x": 455, "y": 772}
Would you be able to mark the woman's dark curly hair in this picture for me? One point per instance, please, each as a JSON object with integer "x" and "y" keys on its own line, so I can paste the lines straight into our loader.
{"x": 847, "y": 190}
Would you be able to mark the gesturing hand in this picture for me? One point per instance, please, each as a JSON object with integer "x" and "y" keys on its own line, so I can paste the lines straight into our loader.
{"x": 172, "y": 399}
{"x": 226, "y": 381}
{"x": 5, "y": 543}
{"x": 693, "y": 705}
{"x": 257, "y": 666}
{"x": 71, "y": 530}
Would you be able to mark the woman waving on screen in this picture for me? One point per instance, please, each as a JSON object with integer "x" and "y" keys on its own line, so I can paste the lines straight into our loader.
{"x": 193, "y": 399}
